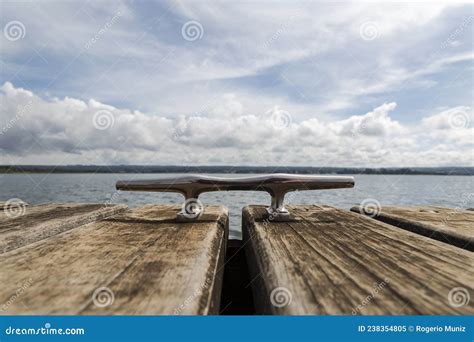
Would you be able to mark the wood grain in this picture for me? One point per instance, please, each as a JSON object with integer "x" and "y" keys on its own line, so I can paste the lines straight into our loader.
{"x": 331, "y": 261}
{"x": 33, "y": 223}
{"x": 451, "y": 225}
{"x": 150, "y": 263}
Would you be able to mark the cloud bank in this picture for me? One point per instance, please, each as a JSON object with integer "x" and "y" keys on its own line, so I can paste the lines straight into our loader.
{"x": 37, "y": 130}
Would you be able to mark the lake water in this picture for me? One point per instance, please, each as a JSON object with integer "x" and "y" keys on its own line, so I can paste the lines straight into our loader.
{"x": 450, "y": 191}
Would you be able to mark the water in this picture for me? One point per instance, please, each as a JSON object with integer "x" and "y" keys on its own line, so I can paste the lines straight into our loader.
{"x": 449, "y": 191}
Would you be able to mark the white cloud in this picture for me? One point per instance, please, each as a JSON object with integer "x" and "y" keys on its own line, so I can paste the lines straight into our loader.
{"x": 36, "y": 130}
{"x": 225, "y": 98}
{"x": 458, "y": 117}
{"x": 374, "y": 123}
{"x": 311, "y": 53}
{"x": 453, "y": 126}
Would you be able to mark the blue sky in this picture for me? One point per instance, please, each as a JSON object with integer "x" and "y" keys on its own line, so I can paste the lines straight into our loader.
{"x": 261, "y": 83}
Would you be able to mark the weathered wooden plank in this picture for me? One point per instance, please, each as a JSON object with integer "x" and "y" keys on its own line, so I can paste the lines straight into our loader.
{"x": 451, "y": 225}
{"x": 331, "y": 261}
{"x": 138, "y": 262}
{"x": 29, "y": 224}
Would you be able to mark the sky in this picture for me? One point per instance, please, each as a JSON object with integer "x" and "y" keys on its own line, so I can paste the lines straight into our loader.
{"x": 237, "y": 83}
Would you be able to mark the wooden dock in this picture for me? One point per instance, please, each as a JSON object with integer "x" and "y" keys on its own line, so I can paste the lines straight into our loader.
{"x": 331, "y": 261}
{"x": 453, "y": 226}
{"x": 97, "y": 259}
{"x": 137, "y": 261}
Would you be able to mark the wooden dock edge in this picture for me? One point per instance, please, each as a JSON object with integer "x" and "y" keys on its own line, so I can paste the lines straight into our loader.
{"x": 216, "y": 274}
{"x": 438, "y": 223}
{"x": 39, "y": 222}
{"x": 256, "y": 257}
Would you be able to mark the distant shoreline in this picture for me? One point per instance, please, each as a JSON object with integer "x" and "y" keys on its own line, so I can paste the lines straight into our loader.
{"x": 437, "y": 171}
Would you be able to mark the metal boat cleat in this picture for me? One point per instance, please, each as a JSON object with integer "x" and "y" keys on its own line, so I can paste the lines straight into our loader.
{"x": 277, "y": 185}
